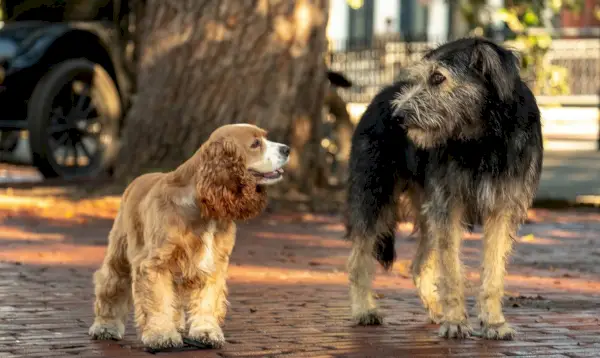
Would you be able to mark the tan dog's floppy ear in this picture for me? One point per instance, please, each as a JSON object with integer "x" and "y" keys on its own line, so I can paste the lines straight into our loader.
{"x": 224, "y": 188}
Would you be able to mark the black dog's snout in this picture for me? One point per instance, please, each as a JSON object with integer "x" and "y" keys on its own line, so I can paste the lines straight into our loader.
{"x": 399, "y": 118}
{"x": 399, "y": 114}
{"x": 284, "y": 150}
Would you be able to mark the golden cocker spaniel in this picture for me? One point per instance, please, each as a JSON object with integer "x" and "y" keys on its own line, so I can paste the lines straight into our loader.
{"x": 169, "y": 247}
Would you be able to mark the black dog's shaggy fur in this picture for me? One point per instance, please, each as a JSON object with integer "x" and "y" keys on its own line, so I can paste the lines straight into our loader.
{"x": 458, "y": 136}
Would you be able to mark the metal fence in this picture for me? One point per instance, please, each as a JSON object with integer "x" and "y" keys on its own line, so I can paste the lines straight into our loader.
{"x": 378, "y": 63}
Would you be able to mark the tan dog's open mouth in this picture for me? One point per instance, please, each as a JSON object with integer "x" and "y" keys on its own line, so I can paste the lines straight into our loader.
{"x": 274, "y": 175}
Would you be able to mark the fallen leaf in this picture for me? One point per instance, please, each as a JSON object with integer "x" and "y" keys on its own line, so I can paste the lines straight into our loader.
{"x": 528, "y": 238}
{"x": 402, "y": 267}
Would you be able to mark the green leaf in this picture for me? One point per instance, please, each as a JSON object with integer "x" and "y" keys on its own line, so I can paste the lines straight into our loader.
{"x": 544, "y": 41}
{"x": 355, "y": 4}
{"x": 556, "y": 5}
{"x": 530, "y": 18}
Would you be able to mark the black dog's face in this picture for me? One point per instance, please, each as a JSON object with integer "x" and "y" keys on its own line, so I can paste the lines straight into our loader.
{"x": 444, "y": 94}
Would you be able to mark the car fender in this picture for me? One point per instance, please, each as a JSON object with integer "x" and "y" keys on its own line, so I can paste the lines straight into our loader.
{"x": 35, "y": 46}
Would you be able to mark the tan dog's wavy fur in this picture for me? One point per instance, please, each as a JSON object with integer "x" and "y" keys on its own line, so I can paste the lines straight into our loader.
{"x": 169, "y": 247}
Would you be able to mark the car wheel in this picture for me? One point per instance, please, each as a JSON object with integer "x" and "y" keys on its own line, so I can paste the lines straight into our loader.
{"x": 73, "y": 120}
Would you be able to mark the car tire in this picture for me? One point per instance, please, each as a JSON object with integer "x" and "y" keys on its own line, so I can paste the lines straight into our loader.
{"x": 103, "y": 95}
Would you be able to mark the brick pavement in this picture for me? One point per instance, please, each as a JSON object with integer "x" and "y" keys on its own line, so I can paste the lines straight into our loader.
{"x": 289, "y": 290}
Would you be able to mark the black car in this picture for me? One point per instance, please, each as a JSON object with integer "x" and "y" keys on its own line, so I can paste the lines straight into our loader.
{"x": 65, "y": 81}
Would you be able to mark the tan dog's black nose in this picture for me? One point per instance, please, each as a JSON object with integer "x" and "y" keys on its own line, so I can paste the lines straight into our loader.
{"x": 284, "y": 150}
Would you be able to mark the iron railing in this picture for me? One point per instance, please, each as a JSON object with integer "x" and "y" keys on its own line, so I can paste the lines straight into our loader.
{"x": 378, "y": 64}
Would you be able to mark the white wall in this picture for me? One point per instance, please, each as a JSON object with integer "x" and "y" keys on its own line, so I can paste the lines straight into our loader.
{"x": 384, "y": 9}
{"x": 437, "y": 30}
{"x": 337, "y": 28}
{"x": 437, "y": 23}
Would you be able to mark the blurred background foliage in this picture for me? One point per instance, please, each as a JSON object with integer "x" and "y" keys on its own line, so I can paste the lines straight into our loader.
{"x": 528, "y": 27}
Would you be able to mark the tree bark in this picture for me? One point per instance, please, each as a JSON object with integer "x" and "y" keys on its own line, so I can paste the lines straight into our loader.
{"x": 206, "y": 63}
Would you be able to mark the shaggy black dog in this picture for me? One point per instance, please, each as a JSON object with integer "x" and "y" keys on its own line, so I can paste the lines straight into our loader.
{"x": 457, "y": 138}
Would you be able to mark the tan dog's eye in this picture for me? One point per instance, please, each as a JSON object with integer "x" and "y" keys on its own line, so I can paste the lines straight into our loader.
{"x": 256, "y": 144}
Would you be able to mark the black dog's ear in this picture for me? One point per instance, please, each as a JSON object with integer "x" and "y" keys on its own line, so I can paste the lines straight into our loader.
{"x": 498, "y": 66}
{"x": 337, "y": 79}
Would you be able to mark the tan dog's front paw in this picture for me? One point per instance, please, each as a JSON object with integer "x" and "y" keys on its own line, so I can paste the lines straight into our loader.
{"x": 107, "y": 331}
{"x": 207, "y": 334}
{"x": 501, "y": 331}
{"x": 180, "y": 322}
{"x": 434, "y": 310}
{"x": 455, "y": 330}
{"x": 156, "y": 339}
{"x": 181, "y": 326}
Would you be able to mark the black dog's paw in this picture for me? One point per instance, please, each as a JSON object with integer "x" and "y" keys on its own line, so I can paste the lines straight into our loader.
{"x": 368, "y": 318}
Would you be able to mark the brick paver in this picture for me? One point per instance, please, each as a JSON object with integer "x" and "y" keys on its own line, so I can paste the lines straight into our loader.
{"x": 288, "y": 290}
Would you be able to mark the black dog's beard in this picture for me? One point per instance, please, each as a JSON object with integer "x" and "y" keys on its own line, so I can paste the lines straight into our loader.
{"x": 439, "y": 127}
{"x": 412, "y": 122}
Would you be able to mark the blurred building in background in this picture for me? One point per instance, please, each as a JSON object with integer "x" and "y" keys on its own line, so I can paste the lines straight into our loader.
{"x": 359, "y": 23}
{"x": 585, "y": 23}
{"x": 370, "y": 40}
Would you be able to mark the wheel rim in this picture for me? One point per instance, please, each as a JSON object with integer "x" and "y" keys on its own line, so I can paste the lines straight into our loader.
{"x": 77, "y": 132}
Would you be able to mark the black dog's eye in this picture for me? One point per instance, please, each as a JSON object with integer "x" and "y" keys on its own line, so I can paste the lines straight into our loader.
{"x": 437, "y": 78}
{"x": 255, "y": 144}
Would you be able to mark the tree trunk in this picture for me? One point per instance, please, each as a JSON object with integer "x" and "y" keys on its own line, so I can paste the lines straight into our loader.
{"x": 206, "y": 63}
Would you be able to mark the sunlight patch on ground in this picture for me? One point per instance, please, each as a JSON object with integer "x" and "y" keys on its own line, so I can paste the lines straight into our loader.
{"x": 55, "y": 254}
{"x": 58, "y": 208}
{"x": 537, "y": 240}
{"x": 13, "y": 202}
{"x": 283, "y": 276}
{"x": 14, "y": 234}
{"x": 306, "y": 239}
{"x": 572, "y": 284}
